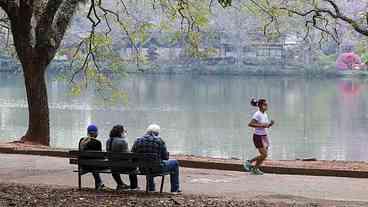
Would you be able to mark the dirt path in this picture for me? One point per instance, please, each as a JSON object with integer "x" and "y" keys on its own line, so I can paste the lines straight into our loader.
{"x": 28, "y": 169}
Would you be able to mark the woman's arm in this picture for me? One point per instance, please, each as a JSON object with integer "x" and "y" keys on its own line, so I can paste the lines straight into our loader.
{"x": 254, "y": 123}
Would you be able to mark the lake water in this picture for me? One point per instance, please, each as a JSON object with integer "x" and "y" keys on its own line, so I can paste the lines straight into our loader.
{"x": 208, "y": 115}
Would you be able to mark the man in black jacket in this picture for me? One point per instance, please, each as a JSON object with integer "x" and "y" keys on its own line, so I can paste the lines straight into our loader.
{"x": 91, "y": 143}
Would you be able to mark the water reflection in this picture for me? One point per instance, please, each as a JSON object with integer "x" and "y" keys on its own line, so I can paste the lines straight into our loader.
{"x": 208, "y": 115}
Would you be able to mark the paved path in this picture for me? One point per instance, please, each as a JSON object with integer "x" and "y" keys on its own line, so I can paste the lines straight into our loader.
{"x": 57, "y": 171}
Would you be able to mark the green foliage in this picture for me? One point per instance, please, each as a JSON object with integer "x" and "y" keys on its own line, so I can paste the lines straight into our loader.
{"x": 101, "y": 40}
{"x": 170, "y": 38}
{"x": 75, "y": 90}
{"x": 365, "y": 57}
{"x": 192, "y": 50}
{"x": 327, "y": 62}
{"x": 362, "y": 49}
{"x": 142, "y": 33}
{"x": 97, "y": 66}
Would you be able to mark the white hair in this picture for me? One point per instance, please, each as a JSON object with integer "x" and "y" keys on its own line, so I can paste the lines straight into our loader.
{"x": 153, "y": 128}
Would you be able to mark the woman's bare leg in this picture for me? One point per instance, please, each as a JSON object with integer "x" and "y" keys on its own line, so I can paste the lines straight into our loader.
{"x": 262, "y": 157}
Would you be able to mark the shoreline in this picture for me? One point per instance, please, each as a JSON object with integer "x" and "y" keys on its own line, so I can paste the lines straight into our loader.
{"x": 265, "y": 70}
{"x": 352, "y": 169}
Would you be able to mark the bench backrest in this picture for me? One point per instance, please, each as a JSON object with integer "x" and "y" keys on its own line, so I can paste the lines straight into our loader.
{"x": 96, "y": 159}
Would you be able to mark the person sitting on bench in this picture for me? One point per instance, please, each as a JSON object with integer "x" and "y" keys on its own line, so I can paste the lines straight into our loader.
{"x": 91, "y": 143}
{"x": 117, "y": 143}
{"x": 151, "y": 142}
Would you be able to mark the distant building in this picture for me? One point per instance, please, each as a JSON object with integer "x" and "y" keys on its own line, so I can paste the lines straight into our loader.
{"x": 220, "y": 49}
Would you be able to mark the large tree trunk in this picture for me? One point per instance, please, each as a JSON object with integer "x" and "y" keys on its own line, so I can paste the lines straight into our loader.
{"x": 38, "y": 124}
{"x": 34, "y": 59}
{"x": 38, "y": 27}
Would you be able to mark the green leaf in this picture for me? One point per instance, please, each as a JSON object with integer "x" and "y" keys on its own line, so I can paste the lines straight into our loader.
{"x": 365, "y": 57}
{"x": 201, "y": 21}
{"x": 75, "y": 90}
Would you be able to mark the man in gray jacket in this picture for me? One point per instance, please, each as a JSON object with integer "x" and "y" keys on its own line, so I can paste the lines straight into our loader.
{"x": 117, "y": 143}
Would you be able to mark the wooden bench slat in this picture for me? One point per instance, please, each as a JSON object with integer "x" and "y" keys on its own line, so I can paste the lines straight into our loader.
{"x": 113, "y": 155}
{"x": 74, "y": 161}
{"x": 108, "y": 171}
{"x": 89, "y": 154}
{"x": 107, "y": 163}
{"x": 117, "y": 163}
{"x": 117, "y": 156}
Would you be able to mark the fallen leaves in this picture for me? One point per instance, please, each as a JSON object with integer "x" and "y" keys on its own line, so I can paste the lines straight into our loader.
{"x": 16, "y": 195}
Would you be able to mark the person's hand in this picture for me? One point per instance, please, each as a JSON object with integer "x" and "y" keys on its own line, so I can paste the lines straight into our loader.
{"x": 271, "y": 123}
{"x": 265, "y": 125}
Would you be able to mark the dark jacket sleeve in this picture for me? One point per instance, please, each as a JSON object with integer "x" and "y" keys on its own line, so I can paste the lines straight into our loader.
{"x": 108, "y": 145}
{"x": 134, "y": 150}
{"x": 99, "y": 146}
{"x": 79, "y": 145}
{"x": 164, "y": 152}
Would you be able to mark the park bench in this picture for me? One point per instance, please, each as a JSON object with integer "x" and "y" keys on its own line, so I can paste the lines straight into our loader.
{"x": 146, "y": 164}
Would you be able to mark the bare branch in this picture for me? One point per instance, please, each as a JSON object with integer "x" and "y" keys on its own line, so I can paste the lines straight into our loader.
{"x": 336, "y": 14}
{"x": 125, "y": 7}
{"x": 4, "y": 22}
{"x": 92, "y": 9}
{"x": 119, "y": 21}
{"x": 50, "y": 10}
{"x": 73, "y": 59}
{"x": 210, "y": 4}
{"x": 4, "y": 5}
{"x": 63, "y": 18}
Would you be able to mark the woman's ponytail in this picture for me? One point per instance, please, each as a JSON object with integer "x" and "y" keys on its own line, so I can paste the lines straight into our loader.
{"x": 254, "y": 102}
{"x": 257, "y": 103}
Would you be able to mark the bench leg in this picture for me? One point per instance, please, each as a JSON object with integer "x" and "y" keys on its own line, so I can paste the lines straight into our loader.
{"x": 79, "y": 179}
{"x": 162, "y": 183}
{"x": 147, "y": 182}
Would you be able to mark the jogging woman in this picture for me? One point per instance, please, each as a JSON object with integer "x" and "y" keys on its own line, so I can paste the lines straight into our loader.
{"x": 260, "y": 123}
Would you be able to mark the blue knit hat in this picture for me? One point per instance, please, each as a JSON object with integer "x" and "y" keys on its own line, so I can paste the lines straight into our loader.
{"x": 92, "y": 129}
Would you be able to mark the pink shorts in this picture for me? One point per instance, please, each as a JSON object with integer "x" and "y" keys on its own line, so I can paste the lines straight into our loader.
{"x": 260, "y": 141}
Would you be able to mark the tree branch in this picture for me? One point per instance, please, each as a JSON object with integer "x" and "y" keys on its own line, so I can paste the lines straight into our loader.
{"x": 119, "y": 21}
{"x": 4, "y": 4}
{"x": 44, "y": 29}
{"x": 51, "y": 8}
{"x": 49, "y": 13}
{"x": 92, "y": 10}
{"x": 63, "y": 17}
{"x": 353, "y": 23}
{"x": 336, "y": 14}
{"x": 11, "y": 9}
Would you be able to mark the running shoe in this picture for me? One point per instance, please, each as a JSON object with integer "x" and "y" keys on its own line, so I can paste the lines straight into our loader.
{"x": 256, "y": 171}
{"x": 247, "y": 166}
